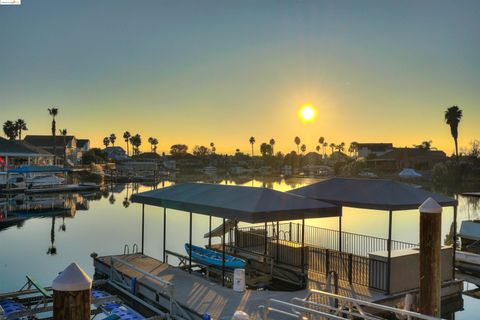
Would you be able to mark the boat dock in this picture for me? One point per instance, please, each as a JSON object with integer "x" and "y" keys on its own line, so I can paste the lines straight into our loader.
{"x": 55, "y": 189}
{"x": 471, "y": 194}
{"x": 197, "y": 295}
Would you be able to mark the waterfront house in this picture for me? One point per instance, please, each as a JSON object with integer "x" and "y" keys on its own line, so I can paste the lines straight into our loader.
{"x": 63, "y": 146}
{"x": 14, "y": 153}
{"x": 366, "y": 150}
{"x": 400, "y": 158}
{"x": 83, "y": 145}
{"x": 116, "y": 153}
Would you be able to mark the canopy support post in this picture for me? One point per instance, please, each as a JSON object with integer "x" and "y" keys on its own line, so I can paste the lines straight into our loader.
{"x": 164, "y": 234}
{"x": 454, "y": 240}
{"x": 340, "y": 233}
{"x": 389, "y": 249}
{"x": 223, "y": 255}
{"x": 143, "y": 227}
{"x": 265, "y": 242}
{"x": 303, "y": 246}
{"x": 278, "y": 242}
{"x": 209, "y": 231}
{"x": 190, "y": 247}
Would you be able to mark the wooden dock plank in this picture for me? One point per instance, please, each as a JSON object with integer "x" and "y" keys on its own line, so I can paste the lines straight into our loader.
{"x": 203, "y": 296}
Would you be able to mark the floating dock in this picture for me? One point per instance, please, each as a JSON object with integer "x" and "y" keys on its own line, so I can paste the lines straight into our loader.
{"x": 198, "y": 295}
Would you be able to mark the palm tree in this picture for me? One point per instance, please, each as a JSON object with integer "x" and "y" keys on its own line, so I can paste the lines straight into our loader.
{"x": 212, "y": 146}
{"x": 63, "y": 132}
{"x": 112, "y": 138}
{"x": 52, "y": 250}
{"x": 272, "y": 143}
{"x": 126, "y": 138}
{"x": 332, "y": 146}
{"x": 325, "y": 145}
{"x": 321, "y": 140}
{"x": 10, "y": 130}
{"x": 297, "y": 142}
{"x": 303, "y": 148}
{"x": 453, "y": 115}
{"x": 136, "y": 142}
{"x": 53, "y": 113}
{"x": 150, "y": 140}
{"x": 154, "y": 144}
{"x": 317, "y": 148}
{"x": 20, "y": 125}
{"x": 252, "y": 142}
{"x": 106, "y": 141}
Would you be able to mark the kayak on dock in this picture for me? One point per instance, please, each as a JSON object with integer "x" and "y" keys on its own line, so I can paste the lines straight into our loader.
{"x": 214, "y": 258}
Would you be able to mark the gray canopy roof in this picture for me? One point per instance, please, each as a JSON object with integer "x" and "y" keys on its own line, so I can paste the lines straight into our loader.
{"x": 247, "y": 204}
{"x": 370, "y": 194}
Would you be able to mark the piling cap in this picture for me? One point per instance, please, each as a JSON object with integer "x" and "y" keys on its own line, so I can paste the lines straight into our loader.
{"x": 73, "y": 278}
{"x": 430, "y": 206}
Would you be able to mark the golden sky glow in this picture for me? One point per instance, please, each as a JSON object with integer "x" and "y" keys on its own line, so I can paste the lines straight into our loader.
{"x": 375, "y": 71}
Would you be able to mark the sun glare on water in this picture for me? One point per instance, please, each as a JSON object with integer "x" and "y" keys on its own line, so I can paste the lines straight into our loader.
{"x": 307, "y": 113}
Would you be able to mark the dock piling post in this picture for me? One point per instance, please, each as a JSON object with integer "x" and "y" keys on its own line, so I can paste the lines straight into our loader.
{"x": 389, "y": 249}
{"x": 454, "y": 244}
{"x": 72, "y": 294}
{"x": 430, "y": 251}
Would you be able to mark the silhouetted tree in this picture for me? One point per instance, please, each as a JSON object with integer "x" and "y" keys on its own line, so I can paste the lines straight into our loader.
{"x": 136, "y": 142}
{"x": 200, "y": 151}
{"x": 332, "y": 146}
{"x": 106, "y": 141}
{"x": 53, "y": 113}
{"x": 252, "y": 142}
{"x": 303, "y": 148}
{"x": 20, "y": 125}
{"x": 126, "y": 138}
{"x": 453, "y": 115}
{"x": 10, "y": 130}
{"x": 272, "y": 144}
{"x": 178, "y": 149}
{"x": 266, "y": 149}
{"x": 112, "y": 138}
{"x": 297, "y": 142}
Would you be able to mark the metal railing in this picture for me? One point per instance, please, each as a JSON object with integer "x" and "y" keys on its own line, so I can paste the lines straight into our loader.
{"x": 357, "y": 244}
{"x": 326, "y": 305}
{"x": 165, "y": 288}
{"x": 282, "y": 242}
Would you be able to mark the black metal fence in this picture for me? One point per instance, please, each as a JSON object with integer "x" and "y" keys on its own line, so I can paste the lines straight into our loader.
{"x": 323, "y": 252}
{"x": 357, "y": 244}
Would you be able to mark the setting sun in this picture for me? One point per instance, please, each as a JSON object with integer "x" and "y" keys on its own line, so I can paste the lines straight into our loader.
{"x": 307, "y": 113}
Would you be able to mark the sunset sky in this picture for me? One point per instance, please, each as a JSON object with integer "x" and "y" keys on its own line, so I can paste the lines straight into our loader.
{"x": 196, "y": 72}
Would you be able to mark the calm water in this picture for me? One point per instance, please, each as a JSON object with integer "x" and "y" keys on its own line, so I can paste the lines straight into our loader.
{"x": 67, "y": 228}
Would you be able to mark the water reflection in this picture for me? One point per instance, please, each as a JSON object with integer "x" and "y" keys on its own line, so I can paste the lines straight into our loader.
{"x": 47, "y": 232}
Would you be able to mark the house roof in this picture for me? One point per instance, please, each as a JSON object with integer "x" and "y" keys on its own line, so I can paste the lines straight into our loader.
{"x": 81, "y": 142}
{"x": 247, "y": 204}
{"x": 20, "y": 147}
{"x": 147, "y": 155}
{"x": 378, "y": 147}
{"x": 398, "y": 153}
{"x": 47, "y": 140}
{"x": 375, "y": 194}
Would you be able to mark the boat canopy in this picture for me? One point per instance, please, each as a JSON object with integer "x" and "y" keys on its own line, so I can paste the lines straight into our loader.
{"x": 247, "y": 204}
{"x": 470, "y": 230}
{"x": 39, "y": 169}
{"x": 378, "y": 194}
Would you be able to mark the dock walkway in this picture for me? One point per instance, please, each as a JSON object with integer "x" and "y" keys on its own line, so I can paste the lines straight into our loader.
{"x": 199, "y": 295}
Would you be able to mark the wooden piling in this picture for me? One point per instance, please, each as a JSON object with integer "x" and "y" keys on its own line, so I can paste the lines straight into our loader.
{"x": 72, "y": 294}
{"x": 430, "y": 264}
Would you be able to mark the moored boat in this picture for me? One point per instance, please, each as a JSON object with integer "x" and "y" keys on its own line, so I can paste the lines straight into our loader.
{"x": 210, "y": 257}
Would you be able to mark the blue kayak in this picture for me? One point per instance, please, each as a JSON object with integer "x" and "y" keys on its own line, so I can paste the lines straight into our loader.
{"x": 214, "y": 258}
